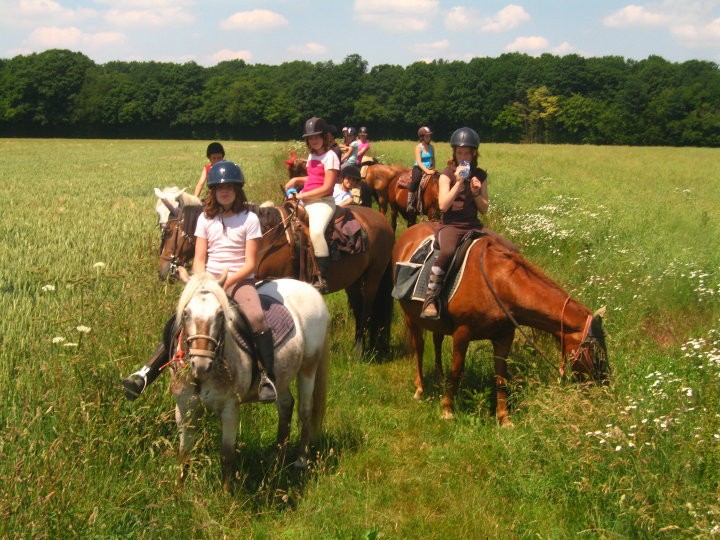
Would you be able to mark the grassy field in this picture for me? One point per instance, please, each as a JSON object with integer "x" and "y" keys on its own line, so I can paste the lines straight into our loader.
{"x": 636, "y": 229}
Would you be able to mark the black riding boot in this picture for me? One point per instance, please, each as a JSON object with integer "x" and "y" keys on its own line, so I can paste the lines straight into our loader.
{"x": 137, "y": 382}
{"x": 321, "y": 284}
{"x": 431, "y": 309}
{"x": 410, "y": 207}
{"x": 266, "y": 355}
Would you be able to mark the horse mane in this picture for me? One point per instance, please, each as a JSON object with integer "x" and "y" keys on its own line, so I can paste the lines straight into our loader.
{"x": 205, "y": 283}
{"x": 186, "y": 199}
{"x": 269, "y": 216}
{"x": 190, "y": 216}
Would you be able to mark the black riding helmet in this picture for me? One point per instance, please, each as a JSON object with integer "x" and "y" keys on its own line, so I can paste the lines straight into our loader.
{"x": 316, "y": 126}
{"x": 225, "y": 172}
{"x": 465, "y": 136}
{"x": 363, "y": 130}
{"x": 215, "y": 148}
{"x": 351, "y": 131}
{"x": 351, "y": 171}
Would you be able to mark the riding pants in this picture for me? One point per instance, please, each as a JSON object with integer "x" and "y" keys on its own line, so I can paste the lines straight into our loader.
{"x": 319, "y": 212}
{"x": 415, "y": 178}
{"x": 448, "y": 237}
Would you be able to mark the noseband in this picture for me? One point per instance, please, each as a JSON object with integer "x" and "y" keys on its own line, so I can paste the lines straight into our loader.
{"x": 589, "y": 348}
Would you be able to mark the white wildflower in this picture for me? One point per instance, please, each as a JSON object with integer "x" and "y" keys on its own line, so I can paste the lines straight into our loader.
{"x": 83, "y": 329}
{"x": 99, "y": 265}
{"x": 58, "y": 339}
{"x": 48, "y": 288}
{"x": 69, "y": 344}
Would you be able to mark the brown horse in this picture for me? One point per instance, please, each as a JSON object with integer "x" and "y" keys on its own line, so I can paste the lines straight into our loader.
{"x": 500, "y": 291}
{"x": 397, "y": 197}
{"x": 285, "y": 251}
{"x": 378, "y": 177}
{"x": 296, "y": 166}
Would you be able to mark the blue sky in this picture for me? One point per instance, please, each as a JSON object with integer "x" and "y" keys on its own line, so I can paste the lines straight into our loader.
{"x": 381, "y": 31}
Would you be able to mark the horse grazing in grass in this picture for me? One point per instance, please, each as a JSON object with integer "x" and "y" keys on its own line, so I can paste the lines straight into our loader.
{"x": 219, "y": 373}
{"x": 428, "y": 202}
{"x": 285, "y": 251}
{"x": 499, "y": 291}
{"x": 296, "y": 166}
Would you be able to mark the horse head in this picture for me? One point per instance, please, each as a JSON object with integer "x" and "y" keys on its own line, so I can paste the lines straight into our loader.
{"x": 589, "y": 360}
{"x": 296, "y": 166}
{"x": 177, "y": 242}
{"x": 203, "y": 312}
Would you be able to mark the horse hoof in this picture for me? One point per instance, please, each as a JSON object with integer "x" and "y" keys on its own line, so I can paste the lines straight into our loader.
{"x": 505, "y": 422}
{"x": 301, "y": 463}
{"x": 418, "y": 394}
{"x": 448, "y": 415}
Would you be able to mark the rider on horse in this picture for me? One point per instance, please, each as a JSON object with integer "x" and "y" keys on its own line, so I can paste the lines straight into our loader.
{"x": 462, "y": 193}
{"x": 228, "y": 235}
{"x": 315, "y": 191}
{"x": 424, "y": 164}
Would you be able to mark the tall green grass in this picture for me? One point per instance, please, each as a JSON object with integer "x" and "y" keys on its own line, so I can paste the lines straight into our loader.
{"x": 635, "y": 229}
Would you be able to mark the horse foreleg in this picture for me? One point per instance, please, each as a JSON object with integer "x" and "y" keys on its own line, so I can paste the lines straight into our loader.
{"x": 460, "y": 345}
{"x": 360, "y": 307}
{"x": 437, "y": 347}
{"x": 229, "y": 420}
{"x": 417, "y": 341}
{"x": 501, "y": 350}
{"x": 187, "y": 405}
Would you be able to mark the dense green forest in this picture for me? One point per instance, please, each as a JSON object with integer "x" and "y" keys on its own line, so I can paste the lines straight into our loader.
{"x": 511, "y": 98}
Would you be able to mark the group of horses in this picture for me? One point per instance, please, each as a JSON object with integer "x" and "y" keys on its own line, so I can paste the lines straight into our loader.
{"x": 499, "y": 293}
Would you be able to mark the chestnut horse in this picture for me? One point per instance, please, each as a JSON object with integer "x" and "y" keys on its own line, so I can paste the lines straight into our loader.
{"x": 378, "y": 177}
{"x": 285, "y": 252}
{"x": 397, "y": 198}
{"x": 500, "y": 291}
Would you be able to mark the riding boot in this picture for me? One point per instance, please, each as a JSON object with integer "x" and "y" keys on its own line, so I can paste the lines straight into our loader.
{"x": 431, "y": 309}
{"x": 265, "y": 349}
{"x": 410, "y": 207}
{"x": 137, "y": 382}
{"x": 321, "y": 284}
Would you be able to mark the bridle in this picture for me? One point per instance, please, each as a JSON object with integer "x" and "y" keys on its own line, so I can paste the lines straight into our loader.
{"x": 180, "y": 239}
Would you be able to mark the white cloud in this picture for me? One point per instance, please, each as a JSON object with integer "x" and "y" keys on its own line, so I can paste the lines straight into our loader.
{"x": 426, "y": 48}
{"x": 563, "y": 49}
{"x": 146, "y": 4}
{"x": 308, "y": 49}
{"x": 226, "y": 54}
{"x": 693, "y": 36}
{"x": 528, "y": 44}
{"x": 396, "y": 15}
{"x": 509, "y": 17}
{"x": 636, "y": 16}
{"x": 256, "y": 19}
{"x": 165, "y": 17}
{"x": 51, "y": 10}
{"x": 72, "y": 38}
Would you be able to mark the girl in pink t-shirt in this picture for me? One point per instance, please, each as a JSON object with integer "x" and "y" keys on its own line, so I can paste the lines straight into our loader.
{"x": 315, "y": 191}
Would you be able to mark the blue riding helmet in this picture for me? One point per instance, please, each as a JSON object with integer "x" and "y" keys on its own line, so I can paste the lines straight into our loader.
{"x": 225, "y": 172}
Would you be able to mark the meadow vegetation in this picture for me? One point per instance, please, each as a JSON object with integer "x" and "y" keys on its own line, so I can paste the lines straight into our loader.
{"x": 635, "y": 229}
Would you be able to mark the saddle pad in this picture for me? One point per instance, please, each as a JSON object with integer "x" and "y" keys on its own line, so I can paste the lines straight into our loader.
{"x": 279, "y": 320}
{"x": 412, "y": 277}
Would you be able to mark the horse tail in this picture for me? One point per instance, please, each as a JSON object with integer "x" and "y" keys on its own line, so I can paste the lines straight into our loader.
{"x": 382, "y": 311}
{"x": 320, "y": 391}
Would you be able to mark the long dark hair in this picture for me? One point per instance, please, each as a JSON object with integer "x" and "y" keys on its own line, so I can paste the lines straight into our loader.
{"x": 212, "y": 208}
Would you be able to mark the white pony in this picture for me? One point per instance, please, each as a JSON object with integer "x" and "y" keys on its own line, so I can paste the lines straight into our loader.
{"x": 220, "y": 375}
{"x": 170, "y": 201}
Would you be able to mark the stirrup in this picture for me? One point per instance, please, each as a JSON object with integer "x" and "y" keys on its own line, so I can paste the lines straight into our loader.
{"x": 134, "y": 385}
{"x": 266, "y": 389}
{"x": 321, "y": 286}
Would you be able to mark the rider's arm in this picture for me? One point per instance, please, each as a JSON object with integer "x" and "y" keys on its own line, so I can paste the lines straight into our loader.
{"x": 479, "y": 191}
{"x": 201, "y": 183}
{"x": 327, "y": 187}
{"x": 201, "y": 245}
{"x": 418, "y": 160}
{"x": 447, "y": 194}
{"x": 294, "y": 181}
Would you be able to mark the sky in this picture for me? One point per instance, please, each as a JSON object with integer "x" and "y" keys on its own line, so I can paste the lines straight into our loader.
{"x": 396, "y": 32}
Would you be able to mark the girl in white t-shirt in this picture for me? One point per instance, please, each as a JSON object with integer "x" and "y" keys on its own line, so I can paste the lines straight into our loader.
{"x": 227, "y": 238}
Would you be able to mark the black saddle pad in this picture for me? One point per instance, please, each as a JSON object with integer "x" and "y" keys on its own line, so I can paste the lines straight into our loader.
{"x": 278, "y": 318}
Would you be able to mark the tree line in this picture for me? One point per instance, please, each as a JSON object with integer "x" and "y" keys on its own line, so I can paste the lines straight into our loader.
{"x": 512, "y": 98}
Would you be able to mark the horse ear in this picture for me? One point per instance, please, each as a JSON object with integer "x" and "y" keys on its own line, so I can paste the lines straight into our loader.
{"x": 223, "y": 277}
{"x": 183, "y": 274}
{"x": 600, "y": 312}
